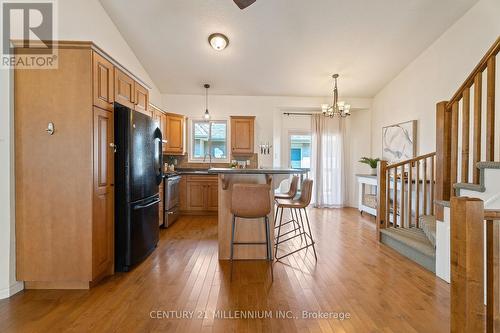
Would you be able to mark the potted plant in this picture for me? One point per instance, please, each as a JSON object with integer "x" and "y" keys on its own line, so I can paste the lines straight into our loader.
{"x": 372, "y": 162}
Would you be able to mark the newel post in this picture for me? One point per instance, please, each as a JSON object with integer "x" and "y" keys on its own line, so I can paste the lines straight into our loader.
{"x": 443, "y": 157}
{"x": 381, "y": 196}
{"x": 467, "y": 265}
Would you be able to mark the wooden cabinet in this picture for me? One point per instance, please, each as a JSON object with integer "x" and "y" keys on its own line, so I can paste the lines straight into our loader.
{"x": 124, "y": 89}
{"x": 161, "y": 119}
{"x": 103, "y": 82}
{"x": 65, "y": 179}
{"x": 141, "y": 99}
{"x": 242, "y": 135}
{"x": 174, "y": 126}
{"x": 198, "y": 194}
{"x": 103, "y": 202}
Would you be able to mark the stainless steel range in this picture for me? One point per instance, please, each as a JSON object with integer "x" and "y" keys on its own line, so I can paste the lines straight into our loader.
{"x": 171, "y": 184}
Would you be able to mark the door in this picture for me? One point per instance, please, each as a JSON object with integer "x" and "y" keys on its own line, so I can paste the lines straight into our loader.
{"x": 242, "y": 135}
{"x": 145, "y": 157}
{"x": 141, "y": 99}
{"x": 144, "y": 231}
{"x": 124, "y": 89}
{"x": 103, "y": 199}
{"x": 175, "y": 134}
{"x": 103, "y": 82}
{"x": 196, "y": 196}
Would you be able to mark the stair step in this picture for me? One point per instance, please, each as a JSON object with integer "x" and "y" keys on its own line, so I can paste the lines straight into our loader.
{"x": 428, "y": 226}
{"x": 412, "y": 243}
{"x": 481, "y": 186}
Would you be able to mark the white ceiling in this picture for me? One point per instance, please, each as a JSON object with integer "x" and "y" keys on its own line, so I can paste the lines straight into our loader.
{"x": 281, "y": 47}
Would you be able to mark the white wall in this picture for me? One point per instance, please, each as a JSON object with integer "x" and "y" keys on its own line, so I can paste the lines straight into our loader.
{"x": 271, "y": 126}
{"x": 435, "y": 75}
{"x": 77, "y": 20}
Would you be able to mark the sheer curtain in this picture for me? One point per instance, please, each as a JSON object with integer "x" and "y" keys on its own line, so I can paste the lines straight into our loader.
{"x": 328, "y": 161}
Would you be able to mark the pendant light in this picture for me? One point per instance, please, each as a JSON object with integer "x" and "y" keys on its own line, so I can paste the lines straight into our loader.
{"x": 206, "y": 115}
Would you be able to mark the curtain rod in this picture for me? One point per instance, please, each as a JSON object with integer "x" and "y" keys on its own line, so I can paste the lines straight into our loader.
{"x": 300, "y": 113}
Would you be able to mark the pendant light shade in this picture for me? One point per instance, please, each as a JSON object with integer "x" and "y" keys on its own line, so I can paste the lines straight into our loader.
{"x": 206, "y": 115}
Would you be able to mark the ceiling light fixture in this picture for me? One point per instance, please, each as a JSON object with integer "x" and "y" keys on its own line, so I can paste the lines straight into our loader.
{"x": 206, "y": 115}
{"x": 337, "y": 109}
{"x": 218, "y": 41}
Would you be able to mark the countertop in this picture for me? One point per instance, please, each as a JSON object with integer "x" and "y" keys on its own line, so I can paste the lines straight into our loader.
{"x": 270, "y": 171}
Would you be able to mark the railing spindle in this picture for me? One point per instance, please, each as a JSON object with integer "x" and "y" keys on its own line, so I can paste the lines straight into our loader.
{"x": 433, "y": 179}
{"x": 388, "y": 199}
{"x": 490, "y": 111}
{"x": 417, "y": 193}
{"x": 403, "y": 203}
{"x": 395, "y": 199}
{"x": 410, "y": 193}
{"x": 476, "y": 147}
{"x": 454, "y": 147}
{"x": 465, "y": 134}
{"x": 424, "y": 180}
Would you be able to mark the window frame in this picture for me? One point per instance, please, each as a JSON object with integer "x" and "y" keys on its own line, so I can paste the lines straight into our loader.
{"x": 289, "y": 148}
{"x": 191, "y": 125}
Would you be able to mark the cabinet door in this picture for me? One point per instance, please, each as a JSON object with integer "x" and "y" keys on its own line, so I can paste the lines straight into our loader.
{"x": 124, "y": 89}
{"x": 212, "y": 197}
{"x": 102, "y": 82}
{"x": 175, "y": 134}
{"x": 183, "y": 194}
{"x": 141, "y": 99}
{"x": 163, "y": 128}
{"x": 242, "y": 135}
{"x": 103, "y": 199}
{"x": 161, "y": 206}
{"x": 196, "y": 196}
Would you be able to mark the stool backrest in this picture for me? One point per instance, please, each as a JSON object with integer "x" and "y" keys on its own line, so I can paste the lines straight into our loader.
{"x": 306, "y": 192}
{"x": 251, "y": 200}
{"x": 294, "y": 185}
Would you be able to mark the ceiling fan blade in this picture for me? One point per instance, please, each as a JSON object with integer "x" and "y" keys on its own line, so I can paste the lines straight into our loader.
{"x": 243, "y": 3}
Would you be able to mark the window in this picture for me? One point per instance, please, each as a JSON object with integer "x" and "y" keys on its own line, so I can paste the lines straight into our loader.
{"x": 300, "y": 150}
{"x": 209, "y": 137}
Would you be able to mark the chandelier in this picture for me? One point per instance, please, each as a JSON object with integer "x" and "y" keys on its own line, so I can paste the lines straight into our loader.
{"x": 338, "y": 108}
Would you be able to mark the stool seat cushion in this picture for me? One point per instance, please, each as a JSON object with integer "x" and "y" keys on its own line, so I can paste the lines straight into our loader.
{"x": 251, "y": 200}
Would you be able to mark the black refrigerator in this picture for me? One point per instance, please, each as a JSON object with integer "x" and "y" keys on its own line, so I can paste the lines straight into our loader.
{"x": 138, "y": 172}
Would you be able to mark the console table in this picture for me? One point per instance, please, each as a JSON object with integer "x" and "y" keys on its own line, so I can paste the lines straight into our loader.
{"x": 367, "y": 199}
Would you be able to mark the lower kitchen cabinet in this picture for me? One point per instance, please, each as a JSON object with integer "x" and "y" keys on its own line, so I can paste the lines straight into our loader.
{"x": 199, "y": 194}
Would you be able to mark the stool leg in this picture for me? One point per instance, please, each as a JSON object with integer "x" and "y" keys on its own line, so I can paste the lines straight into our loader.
{"x": 298, "y": 225}
{"x": 233, "y": 227}
{"x": 268, "y": 246}
{"x": 310, "y": 234}
{"x": 276, "y": 215}
{"x": 279, "y": 233}
{"x": 303, "y": 229}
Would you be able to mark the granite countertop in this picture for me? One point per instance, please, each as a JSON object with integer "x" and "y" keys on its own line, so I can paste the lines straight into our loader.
{"x": 270, "y": 171}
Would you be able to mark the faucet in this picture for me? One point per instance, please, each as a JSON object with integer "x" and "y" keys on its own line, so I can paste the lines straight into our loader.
{"x": 205, "y": 158}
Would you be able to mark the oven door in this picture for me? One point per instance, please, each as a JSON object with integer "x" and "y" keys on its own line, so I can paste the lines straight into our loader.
{"x": 172, "y": 192}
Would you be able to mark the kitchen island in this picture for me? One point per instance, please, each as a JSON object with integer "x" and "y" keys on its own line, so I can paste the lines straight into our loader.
{"x": 248, "y": 230}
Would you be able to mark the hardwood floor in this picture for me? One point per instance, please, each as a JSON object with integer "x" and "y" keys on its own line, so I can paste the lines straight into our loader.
{"x": 380, "y": 290}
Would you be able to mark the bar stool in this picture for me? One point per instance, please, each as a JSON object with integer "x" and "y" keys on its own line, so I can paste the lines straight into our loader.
{"x": 292, "y": 192}
{"x": 299, "y": 205}
{"x": 251, "y": 201}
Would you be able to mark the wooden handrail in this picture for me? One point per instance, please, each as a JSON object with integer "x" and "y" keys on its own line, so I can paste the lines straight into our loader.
{"x": 493, "y": 51}
{"x": 411, "y": 160}
{"x": 492, "y": 214}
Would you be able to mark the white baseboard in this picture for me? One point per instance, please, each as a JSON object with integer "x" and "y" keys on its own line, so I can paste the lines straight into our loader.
{"x": 13, "y": 289}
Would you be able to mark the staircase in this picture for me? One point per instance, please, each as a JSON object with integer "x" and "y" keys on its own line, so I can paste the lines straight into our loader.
{"x": 405, "y": 213}
{"x": 450, "y": 200}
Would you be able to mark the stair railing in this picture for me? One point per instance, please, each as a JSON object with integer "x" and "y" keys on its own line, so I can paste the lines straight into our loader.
{"x": 468, "y": 258}
{"x": 405, "y": 191}
{"x": 463, "y": 138}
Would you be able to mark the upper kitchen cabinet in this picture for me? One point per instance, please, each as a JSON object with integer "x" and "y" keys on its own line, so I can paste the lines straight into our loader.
{"x": 160, "y": 118}
{"x": 242, "y": 135}
{"x": 174, "y": 126}
{"x": 124, "y": 89}
{"x": 103, "y": 82}
{"x": 141, "y": 99}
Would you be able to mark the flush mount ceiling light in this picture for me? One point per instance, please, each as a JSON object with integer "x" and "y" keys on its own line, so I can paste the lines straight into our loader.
{"x": 338, "y": 108}
{"x": 218, "y": 41}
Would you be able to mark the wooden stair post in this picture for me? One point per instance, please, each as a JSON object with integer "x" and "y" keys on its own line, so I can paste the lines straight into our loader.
{"x": 443, "y": 157}
{"x": 467, "y": 265}
{"x": 381, "y": 196}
